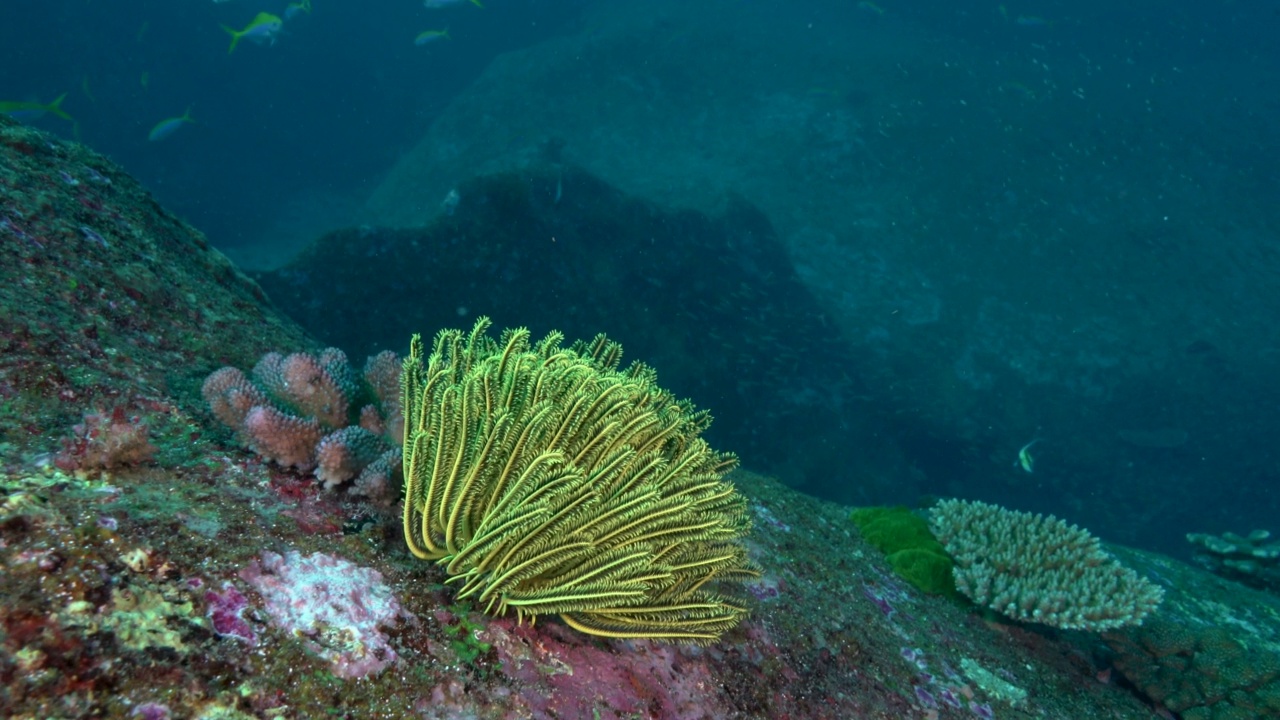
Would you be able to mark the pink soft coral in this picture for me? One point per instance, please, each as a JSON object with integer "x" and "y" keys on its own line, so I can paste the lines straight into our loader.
{"x": 313, "y": 412}
{"x": 105, "y": 441}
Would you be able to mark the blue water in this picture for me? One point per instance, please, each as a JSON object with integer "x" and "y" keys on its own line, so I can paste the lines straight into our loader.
{"x": 343, "y": 90}
{"x": 325, "y": 108}
{"x": 290, "y": 138}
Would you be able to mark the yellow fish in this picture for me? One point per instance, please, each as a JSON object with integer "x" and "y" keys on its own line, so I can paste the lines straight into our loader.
{"x": 165, "y": 128}
{"x": 262, "y": 28}
{"x": 29, "y": 111}
{"x": 430, "y": 36}
{"x": 295, "y": 8}
{"x": 1026, "y": 460}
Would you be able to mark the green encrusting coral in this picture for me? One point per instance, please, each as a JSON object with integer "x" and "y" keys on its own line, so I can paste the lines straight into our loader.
{"x": 911, "y": 549}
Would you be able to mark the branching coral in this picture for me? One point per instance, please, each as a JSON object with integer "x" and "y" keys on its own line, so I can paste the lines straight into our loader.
{"x": 1039, "y": 569}
{"x": 546, "y": 481}
{"x": 1250, "y": 559}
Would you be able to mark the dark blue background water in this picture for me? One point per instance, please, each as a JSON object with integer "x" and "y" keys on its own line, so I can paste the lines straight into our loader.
{"x": 328, "y": 106}
{"x": 344, "y": 90}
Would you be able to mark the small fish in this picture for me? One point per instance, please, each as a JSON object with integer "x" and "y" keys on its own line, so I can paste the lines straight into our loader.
{"x": 450, "y": 202}
{"x": 434, "y": 4}
{"x": 295, "y": 8}
{"x": 262, "y": 28}
{"x": 29, "y": 111}
{"x": 165, "y": 128}
{"x": 868, "y": 6}
{"x": 1026, "y": 460}
{"x": 430, "y": 36}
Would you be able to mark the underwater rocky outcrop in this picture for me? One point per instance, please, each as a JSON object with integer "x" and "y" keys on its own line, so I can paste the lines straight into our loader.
{"x": 711, "y": 300}
{"x": 107, "y": 300}
{"x": 193, "y": 579}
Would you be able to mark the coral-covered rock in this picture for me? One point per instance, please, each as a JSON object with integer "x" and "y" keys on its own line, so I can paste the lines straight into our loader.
{"x": 340, "y": 608}
{"x": 226, "y": 612}
{"x": 104, "y": 295}
{"x": 1211, "y": 652}
{"x": 101, "y": 615}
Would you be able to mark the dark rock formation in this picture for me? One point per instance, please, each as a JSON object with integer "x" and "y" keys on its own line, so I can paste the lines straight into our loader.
{"x": 712, "y": 303}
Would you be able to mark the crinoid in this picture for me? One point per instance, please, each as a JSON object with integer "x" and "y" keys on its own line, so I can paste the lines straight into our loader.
{"x": 547, "y": 481}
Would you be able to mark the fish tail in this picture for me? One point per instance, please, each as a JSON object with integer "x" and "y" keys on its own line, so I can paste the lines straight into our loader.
{"x": 235, "y": 38}
{"x": 477, "y": 4}
{"x": 55, "y": 107}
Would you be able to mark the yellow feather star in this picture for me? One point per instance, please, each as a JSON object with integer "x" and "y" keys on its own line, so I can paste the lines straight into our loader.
{"x": 547, "y": 481}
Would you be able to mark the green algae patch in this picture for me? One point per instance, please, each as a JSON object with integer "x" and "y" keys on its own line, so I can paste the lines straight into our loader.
{"x": 911, "y": 549}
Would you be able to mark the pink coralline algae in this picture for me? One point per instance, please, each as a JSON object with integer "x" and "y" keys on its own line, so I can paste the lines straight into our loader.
{"x": 105, "y": 441}
{"x": 336, "y": 606}
{"x": 313, "y": 413}
{"x": 560, "y": 676}
{"x": 983, "y": 711}
{"x": 880, "y": 600}
{"x": 926, "y": 699}
{"x": 226, "y": 612}
{"x": 151, "y": 711}
{"x": 766, "y": 588}
{"x": 951, "y": 696}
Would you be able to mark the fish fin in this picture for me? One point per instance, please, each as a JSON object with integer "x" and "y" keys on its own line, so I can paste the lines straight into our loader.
{"x": 235, "y": 38}
{"x": 55, "y": 107}
{"x": 477, "y": 4}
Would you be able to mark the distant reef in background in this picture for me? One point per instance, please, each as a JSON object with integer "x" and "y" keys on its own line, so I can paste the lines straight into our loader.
{"x": 710, "y": 301}
{"x": 1010, "y": 242}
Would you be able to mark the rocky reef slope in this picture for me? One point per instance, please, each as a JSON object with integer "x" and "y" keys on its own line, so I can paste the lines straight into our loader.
{"x": 153, "y": 570}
